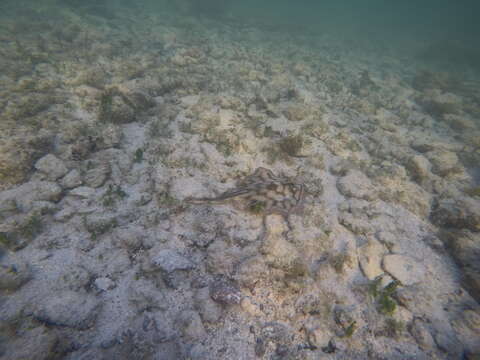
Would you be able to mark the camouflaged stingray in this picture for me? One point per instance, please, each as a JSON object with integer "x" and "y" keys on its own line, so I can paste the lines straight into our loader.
{"x": 263, "y": 192}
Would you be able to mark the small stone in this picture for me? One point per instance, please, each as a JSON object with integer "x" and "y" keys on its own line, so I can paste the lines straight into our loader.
{"x": 449, "y": 343}
{"x": 462, "y": 212}
{"x": 38, "y": 343}
{"x": 371, "y": 259}
{"x": 169, "y": 260}
{"x": 70, "y": 309}
{"x": 97, "y": 176}
{"x": 419, "y": 167}
{"x": 13, "y": 274}
{"x": 249, "y": 307}
{"x": 421, "y": 334}
{"x": 225, "y": 293}
{"x": 318, "y": 333}
{"x": 104, "y": 284}
{"x": 72, "y": 179}
{"x": 64, "y": 214}
{"x": 52, "y": 166}
{"x": 443, "y": 161}
{"x": 47, "y": 191}
{"x": 356, "y": 184}
{"x": 405, "y": 269}
{"x": 191, "y": 326}
{"x": 82, "y": 192}
{"x": 209, "y": 310}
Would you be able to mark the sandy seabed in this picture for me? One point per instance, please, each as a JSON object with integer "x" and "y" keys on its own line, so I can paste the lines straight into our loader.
{"x": 109, "y": 121}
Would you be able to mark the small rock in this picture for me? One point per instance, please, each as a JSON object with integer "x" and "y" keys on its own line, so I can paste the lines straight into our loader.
{"x": 462, "y": 212}
{"x": 82, "y": 192}
{"x": 72, "y": 179}
{"x": 249, "y": 307}
{"x": 97, "y": 176}
{"x": 98, "y": 224}
{"x": 443, "y": 161}
{"x": 318, "y": 333}
{"x": 13, "y": 274}
{"x": 419, "y": 167}
{"x": 209, "y": 310}
{"x": 169, "y": 260}
{"x": 104, "y": 284}
{"x": 356, "y": 184}
{"x": 225, "y": 293}
{"x": 405, "y": 269}
{"x": 69, "y": 308}
{"x": 449, "y": 343}
{"x": 38, "y": 343}
{"x": 421, "y": 334}
{"x": 191, "y": 326}
{"x": 64, "y": 214}
{"x": 464, "y": 246}
{"x": 277, "y": 332}
{"x": 52, "y": 166}
{"x": 371, "y": 255}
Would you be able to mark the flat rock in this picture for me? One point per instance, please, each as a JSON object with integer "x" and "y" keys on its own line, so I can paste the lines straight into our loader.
{"x": 82, "y": 192}
{"x": 52, "y": 166}
{"x": 169, "y": 260}
{"x": 13, "y": 274}
{"x": 209, "y": 310}
{"x": 26, "y": 194}
{"x": 370, "y": 257}
{"x": 104, "y": 283}
{"x": 97, "y": 176}
{"x": 191, "y": 326}
{"x": 356, "y": 184}
{"x": 70, "y": 309}
{"x": 457, "y": 213}
{"x": 443, "y": 161}
{"x": 72, "y": 179}
{"x": 403, "y": 268}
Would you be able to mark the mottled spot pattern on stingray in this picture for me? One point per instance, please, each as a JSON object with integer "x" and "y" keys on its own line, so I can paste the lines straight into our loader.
{"x": 263, "y": 192}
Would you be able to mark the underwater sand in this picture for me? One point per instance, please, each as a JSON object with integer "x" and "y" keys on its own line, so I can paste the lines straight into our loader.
{"x": 111, "y": 117}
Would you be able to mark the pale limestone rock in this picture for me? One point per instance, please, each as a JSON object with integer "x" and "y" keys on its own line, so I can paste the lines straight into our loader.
{"x": 97, "y": 176}
{"x": 422, "y": 335}
{"x": 356, "y": 184}
{"x": 104, "y": 283}
{"x": 52, "y": 166}
{"x": 209, "y": 310}
{"x": 13, "y": 274}
{"x": 419, "y": 167}
{"x": 72, "y": 179}
{"x": 191, "y": 326}
{"x": 250, "y": 307}
{"x": 443, "y": 161}
{"x": 70, "y": 309}
{"x": 405, "y": 269}
{"x": 279, "y": 252}
{"x": 370, "y": 257}
{"x": 169, "y": 260}
{"x": 318, "y": 333}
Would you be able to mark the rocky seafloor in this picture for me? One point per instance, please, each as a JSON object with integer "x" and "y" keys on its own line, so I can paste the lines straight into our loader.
{"x": 109, "y": 121}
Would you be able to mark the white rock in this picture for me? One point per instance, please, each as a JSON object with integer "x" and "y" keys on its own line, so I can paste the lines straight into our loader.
{"x": 97, "y": 176}
{"x": 403, "y": 268}
{"x": 28, "y": 193}
{"x": 82, "y": 192}
{"x": 72, "y": 179}
{"x": 104, "y": 283}
{"x": 356, "y": 184}
{"x": 370, "y": 256}
{"x": 70, "y": 309}
{"x": 169, "y": 260}
{"x": 52, "y": 166}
